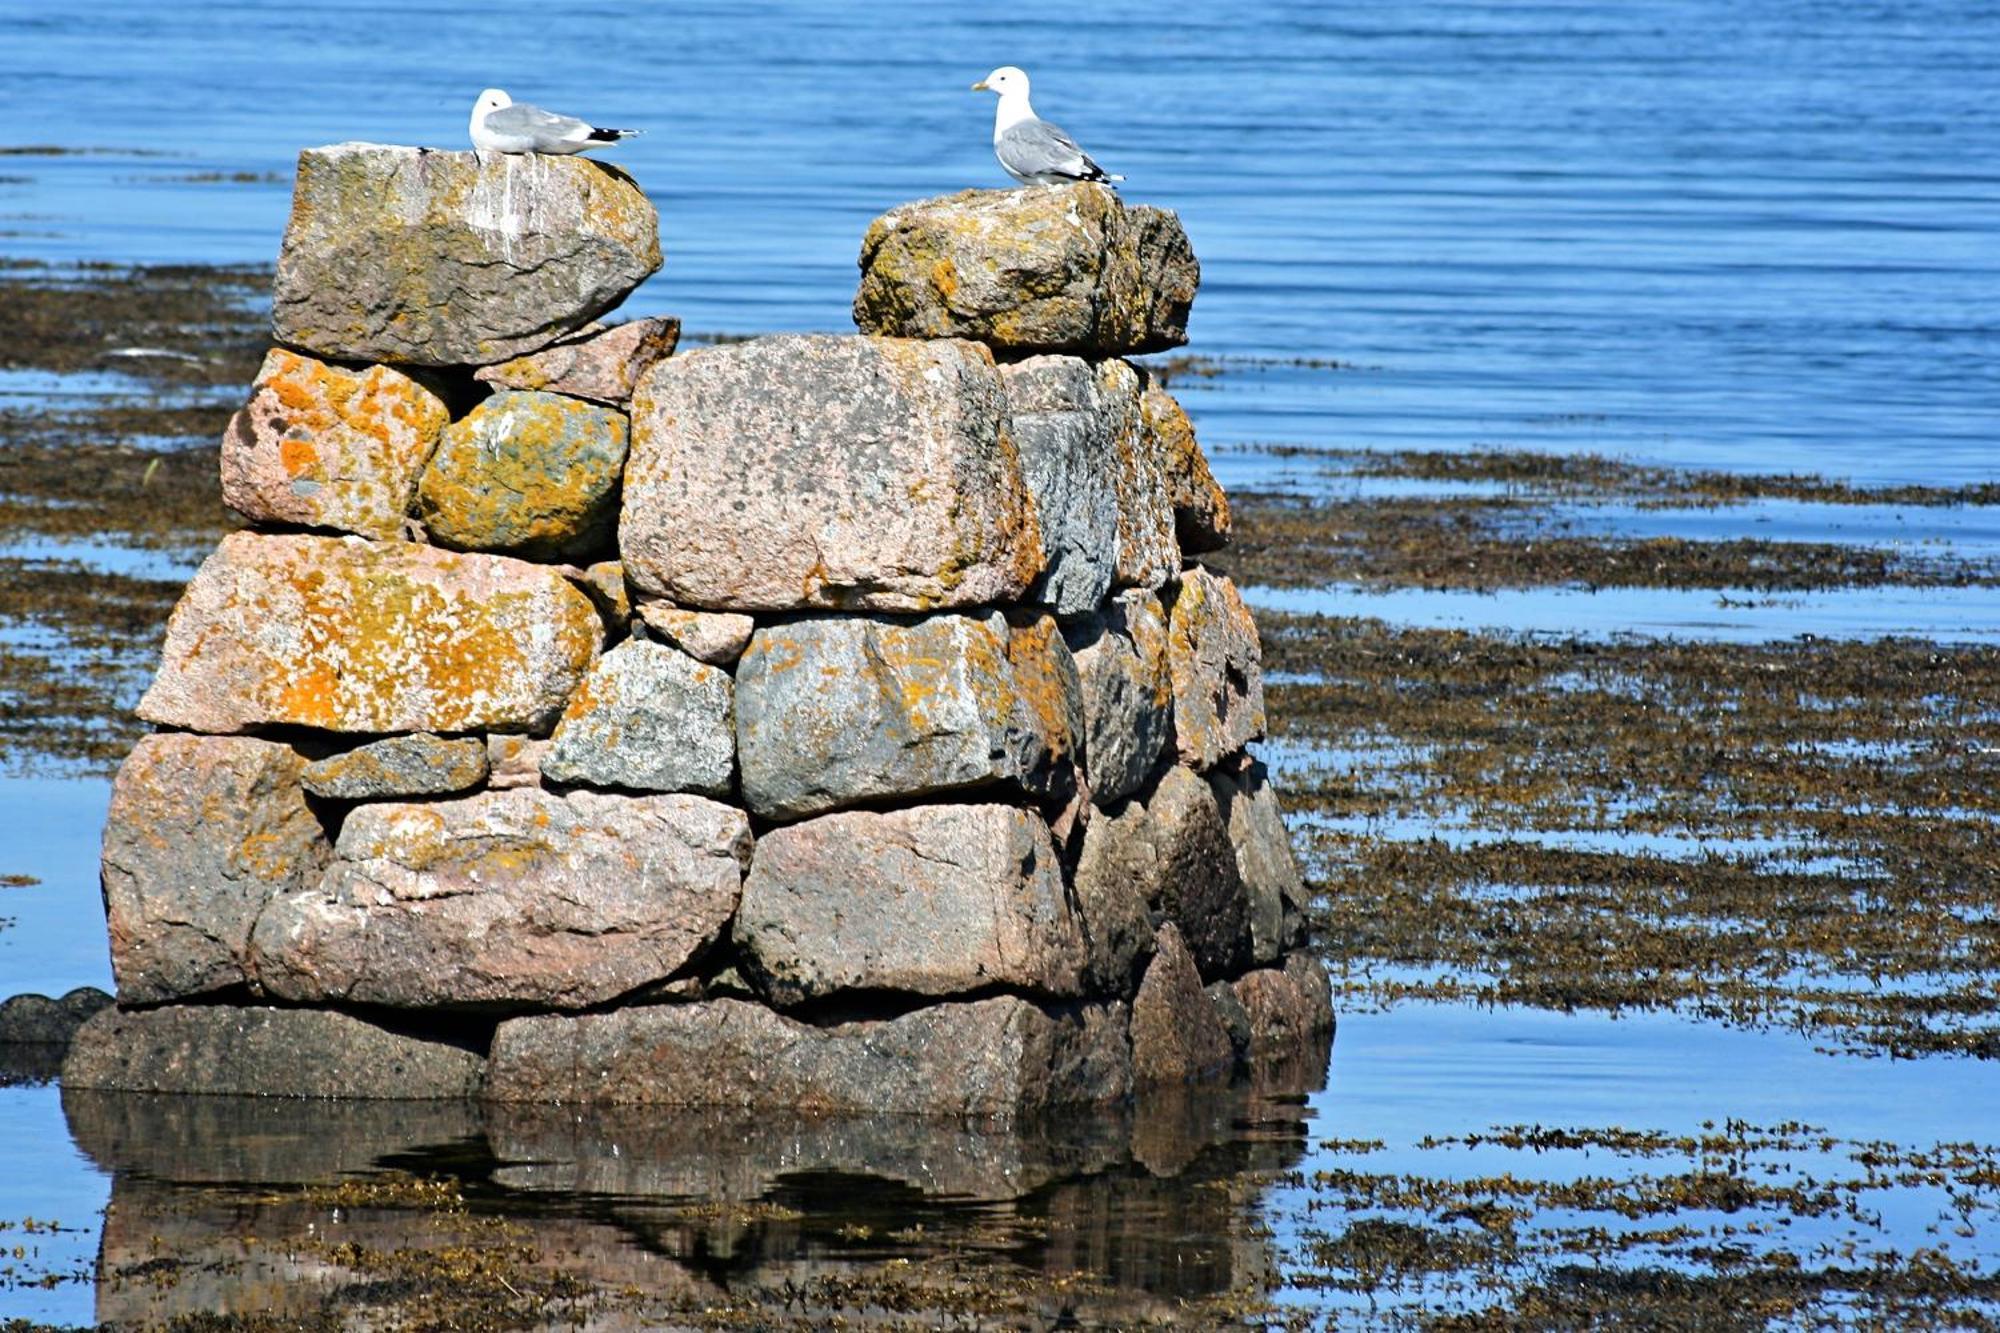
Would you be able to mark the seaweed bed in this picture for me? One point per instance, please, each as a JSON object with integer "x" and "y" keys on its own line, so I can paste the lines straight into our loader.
{"x": 1794, "y": 834}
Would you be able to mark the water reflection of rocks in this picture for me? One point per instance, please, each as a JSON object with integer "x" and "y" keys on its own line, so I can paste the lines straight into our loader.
{"x": 260, "y": 1209}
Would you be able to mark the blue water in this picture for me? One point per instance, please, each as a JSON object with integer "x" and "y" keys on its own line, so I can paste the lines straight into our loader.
{"x": 1694, "y": 233}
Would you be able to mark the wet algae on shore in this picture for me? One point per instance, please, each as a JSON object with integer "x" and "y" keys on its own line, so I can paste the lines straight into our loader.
{"x": 1793, "y": 835}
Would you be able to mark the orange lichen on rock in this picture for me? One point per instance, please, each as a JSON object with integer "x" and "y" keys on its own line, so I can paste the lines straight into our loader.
{"x": 323, "y": 446}
{"x": 357, "y": 637}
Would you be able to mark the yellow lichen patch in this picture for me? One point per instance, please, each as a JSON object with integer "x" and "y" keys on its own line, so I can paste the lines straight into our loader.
{"x": 317, "y": 632}
{"x": 1037, "y": 657}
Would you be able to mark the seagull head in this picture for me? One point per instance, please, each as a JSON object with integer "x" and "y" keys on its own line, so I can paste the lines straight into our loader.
{"x": 1007, "y": 81}
{"x": 490, "y": 101}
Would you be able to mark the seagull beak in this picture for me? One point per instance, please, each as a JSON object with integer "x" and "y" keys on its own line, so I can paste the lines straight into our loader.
{"x": 980, "y": 87}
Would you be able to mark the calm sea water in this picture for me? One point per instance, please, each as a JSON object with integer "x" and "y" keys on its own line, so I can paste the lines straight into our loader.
{"x": 1754, "y": 237}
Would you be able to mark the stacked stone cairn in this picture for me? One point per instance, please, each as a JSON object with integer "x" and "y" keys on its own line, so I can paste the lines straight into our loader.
{"x": 834, "y": 723}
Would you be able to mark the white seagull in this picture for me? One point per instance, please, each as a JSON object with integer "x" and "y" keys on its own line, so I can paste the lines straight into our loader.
{"x": 1033, "y": 151}
{"x": 502, "y": 125}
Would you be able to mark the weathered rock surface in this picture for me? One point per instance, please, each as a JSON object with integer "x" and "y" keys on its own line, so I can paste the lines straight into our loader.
{"x": 715, "y": 637}
{"x": 418, "y": 764}
{"x": 507, "y": 899}
{"x": 515, "y": 761}
{"x": 1201, "y": 510}
{"x": 1216, "y": 662}
{"x": 323, "y": 446}
{"x": 1176, "y": 1033}
{"x": 1286, "y": 1006}
{"x": 1275, "y": 892}
{"x": 529, "y": 474}
{"x": 354, "y": 636}
{"x": 812, "y": 471}
{"x": 839, "y": 709}
{"x": 1167, "y": 856}
{"x": 1049, "y": 270}
{"x": 997, "y": 1056}
{"x": 1128, "y": 693}
{"x": 650, "y": 718}
{"x": 601, "y": 364}
{"x": 604, "y": 584}
{"x": 430, "y": 258}
{"x": 1095, "y": 475}
{"x": 242, "y": 1051}
{"x": 37, "y": 1020}
{"x": 934, "y": 900}
{"x": 203, "y": 831}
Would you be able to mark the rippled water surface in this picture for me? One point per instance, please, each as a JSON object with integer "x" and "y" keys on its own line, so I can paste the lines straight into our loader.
{"x": 1696, "y": 234}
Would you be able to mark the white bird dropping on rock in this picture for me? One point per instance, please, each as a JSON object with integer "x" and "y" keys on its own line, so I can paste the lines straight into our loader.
{"x": 502, "y": 125}
{"x": 1033, "y": 151}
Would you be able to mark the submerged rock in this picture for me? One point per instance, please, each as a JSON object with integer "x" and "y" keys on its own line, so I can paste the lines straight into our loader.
{"x": 1286, "y": 1007}
{"x": 1128, "y": 693}
{"x": 1073, "y": 269}
{"x": 355, "y": 636}
{"x": 1213, "y": 653}
{"x": 323, "y": 446}
{"x": 993, "y": 1057}
{"x": 37, "y": 1020}
{"x": 1096, "y": 480}
{"x": 935, "y": 900}
{"x": 529, "y": 474}
{"x": 419, "y": 764}
{"x": 429, "y": 258}
{"x": 809, "y": 471}
{"x": 244, "y": 1051}
{"x": 603, "y": 365}
{"x": 649, "y": 718}
{"x": 203, "y": 833}
{"x": 508, "y": 899}
{"x": 834, "y": 710}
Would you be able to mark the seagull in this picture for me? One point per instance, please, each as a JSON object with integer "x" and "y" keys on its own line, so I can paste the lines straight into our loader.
{"x": 1033, "y": 151}
{"x": 502, "y": 125}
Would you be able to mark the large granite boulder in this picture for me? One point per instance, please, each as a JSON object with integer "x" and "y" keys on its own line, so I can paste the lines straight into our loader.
{"x": 812, "y": 471}
{"x": 428, "y": 258}
{"x": 994, "y": 1057}
{"x": 355, "y": 636}
{"x": 530, "y": 474}
{"x": 1164, "y": 859}
{"x": 1217, "y": 667}
{"x": 1275, "y": 893}
{"x": 835, "y": 710}
{"x": 1049, "y": 270}
{"x": 507, "y": 900}
{"x": 203, "y": 832}
{"x": 417, "y": 764}
{"x": 649, "y": 718}
{"x": 324, "y": 446}
{"x": 1201, "y": 509}
{"x": 1177, "y": 1035}
{"x": 1095, "y": 475}
{"x": 934, "y": 900}
{"x": 1128, "y": 693}
{"x": 603, "y": 365}
{"x": 240, "y": 1051}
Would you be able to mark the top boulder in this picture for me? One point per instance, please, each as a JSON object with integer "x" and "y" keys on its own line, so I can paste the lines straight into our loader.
{"x": 435, "y": 259}
{"x": 1067, "y": 268}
